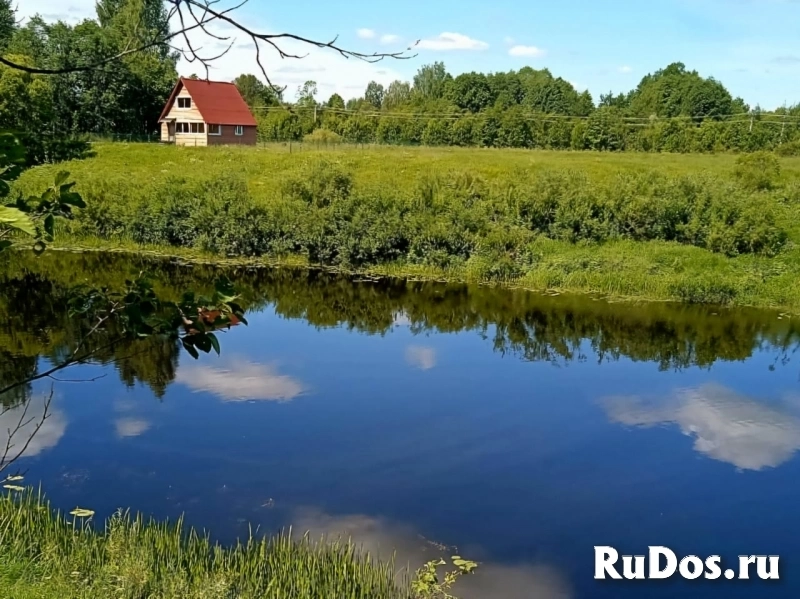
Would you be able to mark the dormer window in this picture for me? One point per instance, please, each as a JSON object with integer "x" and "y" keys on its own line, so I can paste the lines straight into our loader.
{"x": 184, "y": 102}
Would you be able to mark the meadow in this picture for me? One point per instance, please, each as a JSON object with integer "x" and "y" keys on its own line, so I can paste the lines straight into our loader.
{"x": 714, "y": 228}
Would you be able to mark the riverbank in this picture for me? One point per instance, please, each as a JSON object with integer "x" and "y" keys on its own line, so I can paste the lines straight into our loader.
{"x": 675, "y": 228}
{"x": 45, "y": 555}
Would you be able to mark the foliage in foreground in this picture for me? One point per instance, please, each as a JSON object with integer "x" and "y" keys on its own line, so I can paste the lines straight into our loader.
{"x": 47, "y": 554}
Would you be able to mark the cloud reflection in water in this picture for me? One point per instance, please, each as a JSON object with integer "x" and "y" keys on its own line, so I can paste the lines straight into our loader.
{"x": 726, "y": 426}
{"x": 241, "y": 381}
{"x": 383, "y": 539}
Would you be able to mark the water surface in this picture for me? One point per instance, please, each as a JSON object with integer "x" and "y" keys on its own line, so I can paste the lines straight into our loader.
{"x": 520, "y": 429}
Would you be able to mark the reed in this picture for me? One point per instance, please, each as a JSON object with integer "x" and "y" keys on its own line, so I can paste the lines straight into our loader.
{"x": 45, "y": 554}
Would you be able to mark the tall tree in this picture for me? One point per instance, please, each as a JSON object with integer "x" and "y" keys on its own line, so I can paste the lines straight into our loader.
{"x": 306, "y": 94}
{"x": 430, "y": 81}
{"x": 470, "y": 91}
{"x": 255, "y": 92}
{"x": 397, "y": 94}
{"x": 374, "y": 94}
{"x": 335, "y": 101}
{"x": 7, "y": 23}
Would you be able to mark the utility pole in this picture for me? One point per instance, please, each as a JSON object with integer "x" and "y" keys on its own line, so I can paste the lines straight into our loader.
{"x": 783, "y": 124}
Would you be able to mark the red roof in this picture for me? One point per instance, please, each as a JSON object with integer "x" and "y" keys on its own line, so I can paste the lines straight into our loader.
{"x": 219, "y": 102}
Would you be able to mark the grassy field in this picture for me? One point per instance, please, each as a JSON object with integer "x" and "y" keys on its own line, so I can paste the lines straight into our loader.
{"x": 44, "y": 555}
{"x": 694, "y": 228}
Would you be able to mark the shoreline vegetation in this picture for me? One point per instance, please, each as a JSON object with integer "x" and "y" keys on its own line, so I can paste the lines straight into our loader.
{"x": 717, "y": 229}
{"x": 46, "y": 554}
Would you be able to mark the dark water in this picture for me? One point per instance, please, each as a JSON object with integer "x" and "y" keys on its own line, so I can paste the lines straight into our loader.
{"x": 521, "y": 429}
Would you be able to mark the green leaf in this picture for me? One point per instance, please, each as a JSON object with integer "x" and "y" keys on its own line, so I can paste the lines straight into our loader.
{"x": 214, "y": 341}
{"x": 190, "y": 348}
{"x": 73, "y": 199}
{"x": 49, "y": 224}
{"x": 203, "y": 343}
{"x": 61, "y": 178}
{"x": 17, "y": 219}
{"x": 5, "y": 244}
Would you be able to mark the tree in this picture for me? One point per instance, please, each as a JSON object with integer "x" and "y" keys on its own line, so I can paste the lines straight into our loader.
{"x": 374, "y": 94}
{"x": 470, "y": 91}
{"x": 675, "y": 91}
{"x": 254, "y": 92}
{"x": 397, "y": 94}
{"x": 7, "y": 23}
{"x": 430, "y": 81}
{"x": 335, "y": 101}
{"x": 305, "y": 94}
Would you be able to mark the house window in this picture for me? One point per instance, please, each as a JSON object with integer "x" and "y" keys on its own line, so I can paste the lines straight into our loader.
{"x": 181, "y": 127}
{"x": 184, "y": 102}
{"x": 198, "y": 127}
{"x": 239, "y": 130}
{"x": 215, "y": 129}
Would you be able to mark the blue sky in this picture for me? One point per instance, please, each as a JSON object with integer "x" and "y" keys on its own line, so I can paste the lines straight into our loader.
{"x": 752, "y": 46}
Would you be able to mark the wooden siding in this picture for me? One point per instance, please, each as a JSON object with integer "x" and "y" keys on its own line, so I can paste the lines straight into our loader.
{"x": 184, "y": 115}
{"x": 229, "y": 137}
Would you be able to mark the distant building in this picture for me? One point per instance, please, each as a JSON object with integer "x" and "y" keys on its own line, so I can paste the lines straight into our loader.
{"x": 206, "y": 113}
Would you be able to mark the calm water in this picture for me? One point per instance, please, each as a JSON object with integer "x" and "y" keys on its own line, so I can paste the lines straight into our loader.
{"x": 521, "y": 429}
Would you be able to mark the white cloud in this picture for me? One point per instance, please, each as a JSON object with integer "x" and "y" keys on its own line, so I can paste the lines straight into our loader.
{"x": 241, "y": 381}
{"x": 578, "y": 86}
{"x": 73, "y": 13}
{"x": 452, "y": 41}
{"x": 384, "y": 539}
{"x": 131, "y": 427}
{"x": 421, "y": 357}
{"x": 529, "y": 51}
{"x": 508, "y": 40}
{"x": 625, "y": 69}
{"x": 389, "y": 38}
{"x": 46, "y": 437}
{"x": 366, "y": 34}
{"x": 728, "y": 427}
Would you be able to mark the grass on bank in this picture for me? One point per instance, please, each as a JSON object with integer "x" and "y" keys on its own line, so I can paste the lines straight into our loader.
{"x": 663, "y": 227}
{"x": 47, "y": 555}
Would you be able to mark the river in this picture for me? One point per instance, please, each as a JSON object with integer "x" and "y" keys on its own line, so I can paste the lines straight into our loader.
{"x": 519, "y": 429}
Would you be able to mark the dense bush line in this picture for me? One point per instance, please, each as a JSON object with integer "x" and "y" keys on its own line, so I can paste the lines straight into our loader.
{"x": 445, "y": 219}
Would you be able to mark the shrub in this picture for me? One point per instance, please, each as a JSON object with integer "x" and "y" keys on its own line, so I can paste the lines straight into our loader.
{"x": 791, "y": 148}
{"x": 757, "y": 171}
{"x": 323, "y": 136}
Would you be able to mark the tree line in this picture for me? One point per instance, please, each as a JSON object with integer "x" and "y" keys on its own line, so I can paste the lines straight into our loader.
{"x": 671, "y": 110}
{"x": 674, "y": 109}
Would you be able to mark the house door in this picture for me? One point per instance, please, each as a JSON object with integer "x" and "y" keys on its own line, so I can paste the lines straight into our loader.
{"x": 171, "y": 131}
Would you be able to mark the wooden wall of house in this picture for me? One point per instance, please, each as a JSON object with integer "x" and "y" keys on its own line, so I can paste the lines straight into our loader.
{"x": 185, "y": 115}
{"x": 228, "y": 137}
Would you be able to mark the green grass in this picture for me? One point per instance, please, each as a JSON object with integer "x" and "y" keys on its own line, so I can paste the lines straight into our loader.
{"x": 47, "y": 555}
{"x": 647, "y": 226}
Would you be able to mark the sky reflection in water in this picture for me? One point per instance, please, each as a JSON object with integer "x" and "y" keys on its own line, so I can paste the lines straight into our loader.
{"x": 521, "y": 453}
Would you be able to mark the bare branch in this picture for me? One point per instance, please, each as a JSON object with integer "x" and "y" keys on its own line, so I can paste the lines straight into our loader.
{"x": 5, "y": 461}
{"x": 202, "y": 13}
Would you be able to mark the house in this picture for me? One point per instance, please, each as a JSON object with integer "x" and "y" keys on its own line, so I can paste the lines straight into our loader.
{"x": 206, "y": 113}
